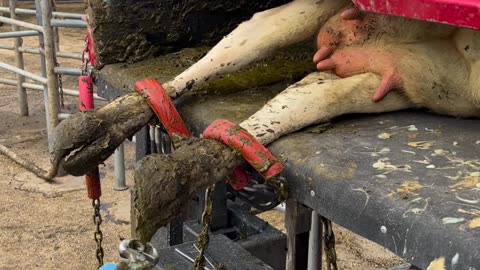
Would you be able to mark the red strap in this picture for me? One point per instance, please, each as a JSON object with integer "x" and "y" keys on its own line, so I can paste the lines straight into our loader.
{"x": 252, "y": 151}
{"x": 90, "y": 50}
{"x": 240, "y": 178}
{"x": 161, "y": 104}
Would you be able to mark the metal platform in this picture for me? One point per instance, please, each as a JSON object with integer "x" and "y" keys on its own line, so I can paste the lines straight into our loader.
{"x": 409, "y": 180}
{"x": 220, "y": 250}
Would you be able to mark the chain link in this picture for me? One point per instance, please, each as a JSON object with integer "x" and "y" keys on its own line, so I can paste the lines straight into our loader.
{"x": 98, "y": 235}
{"x": 203, "y": 238}
{"x": 329, "y": 242}
{"x": 60, "y": 87}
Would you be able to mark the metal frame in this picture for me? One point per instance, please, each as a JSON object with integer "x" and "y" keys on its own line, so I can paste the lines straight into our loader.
{"x": 46, "y": 29}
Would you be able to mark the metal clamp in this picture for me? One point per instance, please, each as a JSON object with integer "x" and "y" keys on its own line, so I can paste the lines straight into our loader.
{"x": 138, "y": 254}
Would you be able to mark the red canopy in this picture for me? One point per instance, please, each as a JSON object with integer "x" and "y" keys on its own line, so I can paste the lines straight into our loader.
{"x": 463, "y": 13}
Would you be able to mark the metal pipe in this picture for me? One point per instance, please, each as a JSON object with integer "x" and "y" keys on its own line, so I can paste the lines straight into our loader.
{"x": 43, "y": 68}
{"x": 17, "y": 42}
{"x": 70, "y": 55}
{"x": 315, "y": 243}
{"x": 15, "y": 33}
{"x": 52, "y": 82}
{"x": 21, "y": 24}
{"x": 38, "y": 51}
{"x": 55, "y": 14}
{"x": 69, "y": 23}
{"x": 153, "y": 147}
{"x": 23, "y": 73}
{"x": 64, "y": 115}
{"x": 56, "y": 31}
{"x": 68, "y": 71}
{"x": 119, "y": 169}
{"x": 68, "y": 92}
{"x": 158, "y": 139}
{"x": 280, "y": 208}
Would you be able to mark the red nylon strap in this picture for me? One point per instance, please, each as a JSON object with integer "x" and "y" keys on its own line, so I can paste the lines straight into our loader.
{"x": 161, "y": 104}
{"x": 240, "y": 178}
{"x": 89, "y": 48}
{"x": 252, "y": 151}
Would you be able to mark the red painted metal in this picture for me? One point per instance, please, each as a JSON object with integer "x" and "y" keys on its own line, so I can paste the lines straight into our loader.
{"x": 92, "y": 181}
{"x": 462, "y": 13}
{"x": 161, "y": 104}
{"x": 252, "y": 151}
{"x": 85, "y": 92}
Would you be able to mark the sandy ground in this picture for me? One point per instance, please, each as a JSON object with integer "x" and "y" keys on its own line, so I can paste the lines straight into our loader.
{"x": 50, "y": 226}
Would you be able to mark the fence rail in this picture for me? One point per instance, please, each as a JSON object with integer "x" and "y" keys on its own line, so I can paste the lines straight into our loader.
{"x": 28, "y": 50}
{"x": 46, "y": 30}
{"x": 65, "y": 15}
{"x": 48, "y": 21}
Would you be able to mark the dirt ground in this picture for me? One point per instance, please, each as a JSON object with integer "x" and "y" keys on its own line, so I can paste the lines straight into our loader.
{"x": 46, "y": 226}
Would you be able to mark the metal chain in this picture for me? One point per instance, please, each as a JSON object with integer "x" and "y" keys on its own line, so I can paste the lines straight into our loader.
{"x": 60, "y": 88}
{"x": 329, "y": 242}
{"x": 97, "y": 220}
{"x": 203, "y": 238}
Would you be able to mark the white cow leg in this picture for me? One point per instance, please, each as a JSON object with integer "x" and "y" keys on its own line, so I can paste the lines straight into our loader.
{"x": 256, "y": 38}
{"x": 318, "y": 98}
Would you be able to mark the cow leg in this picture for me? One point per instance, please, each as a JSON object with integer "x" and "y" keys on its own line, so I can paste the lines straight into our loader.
{"x": 258, "y": 37}
{"x": 318, "y": 98}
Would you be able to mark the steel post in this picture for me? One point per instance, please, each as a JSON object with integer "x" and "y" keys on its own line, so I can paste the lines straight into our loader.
{"x": 315, "y": 243}
{"x": 43, "y": 67}
{"x": 119, "y": 168}
{"x": 17, "y": 42}
{"x": 52, "y": 81}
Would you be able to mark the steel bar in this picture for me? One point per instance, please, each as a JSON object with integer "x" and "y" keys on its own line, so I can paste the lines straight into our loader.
{"x": 21, "y": 24}
{"x": 68, "y": 71}
{"x": 63, "y": 115}
{"x": 119, "y": 169}
{"x": 68, "y": 92}
{"x": 56, "y": 31}
{"x": 65, "y": 15}
{"x": 17, "y": 42}
{"x": 69, "y": 55}
{"x": 315, "y": 243}
{"x": 23, "y": 73}
{"x": 52, "y": 81}
{"x": 38, "y": 51}
{"x": 69, "y": 23}
{"x": 158, "y": 140}
{"x": 43, "y": 68}
{"x": 153, "y": 146}
{"x": 15, "y": 33}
